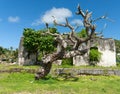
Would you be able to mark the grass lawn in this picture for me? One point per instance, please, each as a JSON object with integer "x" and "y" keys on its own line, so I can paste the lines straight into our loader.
{"x": 8, "y": 66}
{"x": 24, "y": 83}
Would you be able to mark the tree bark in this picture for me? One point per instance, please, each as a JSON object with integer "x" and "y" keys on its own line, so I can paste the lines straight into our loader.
{"x": 47, "y": 64}
{"x": 44, "y": 70}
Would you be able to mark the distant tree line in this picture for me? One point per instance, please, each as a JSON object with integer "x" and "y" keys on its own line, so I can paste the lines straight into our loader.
{"x": 8, "y": 55}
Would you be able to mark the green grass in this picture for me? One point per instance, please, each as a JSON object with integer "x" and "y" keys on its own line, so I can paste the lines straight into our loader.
{"x": 24, "y": 83}
{"x": 7, "y": 66}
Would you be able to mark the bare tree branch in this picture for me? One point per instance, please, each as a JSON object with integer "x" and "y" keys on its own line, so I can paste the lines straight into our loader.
{"x": 63, "y": 41}
{"x": 75, "y": 53}
{"x": 80, "y": 11}
{"x": 48, "y": 31}
{"x": 102, "y": 17}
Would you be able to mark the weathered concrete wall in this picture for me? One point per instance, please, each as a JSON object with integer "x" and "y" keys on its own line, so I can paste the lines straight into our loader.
{"x": 30, "y": 60}
{"x": 106, "y": 47}
{"x": 21, "y": 52}
{"x": 69, "y": 71}
{"x": 80, "y": 60}
{"x": 58, "y": 62}
{"x": 108, "y": 58}
{"x": 87, "y": 71}
{"x": 24, "y": 58}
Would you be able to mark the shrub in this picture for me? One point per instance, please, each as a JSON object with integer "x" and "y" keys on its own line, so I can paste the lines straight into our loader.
{"x": 67, "y": 61}
{"x": 94, "y": 55}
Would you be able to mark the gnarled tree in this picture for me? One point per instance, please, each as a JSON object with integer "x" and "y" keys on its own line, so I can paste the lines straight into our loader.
{"x": 64, "y": 40}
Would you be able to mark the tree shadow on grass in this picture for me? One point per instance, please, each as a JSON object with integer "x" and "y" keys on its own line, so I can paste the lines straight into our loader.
{"x": 56, "y": 79}
{"x": 66, "y": 77}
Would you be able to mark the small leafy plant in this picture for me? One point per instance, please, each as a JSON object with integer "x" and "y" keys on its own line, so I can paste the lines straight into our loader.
{"x": 94, "y": 55}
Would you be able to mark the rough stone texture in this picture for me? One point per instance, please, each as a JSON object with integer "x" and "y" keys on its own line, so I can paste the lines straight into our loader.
{"x": 69, "y": 71}
{"x": 24, "y": 58}
{"x": 58, "y": 62}
{"x": 80, "y": 60}
{"x": 106, "y": 47}
{"x": 21, "y": 52}
{"x": 30, "y": 60}
{"x": 87, "y": 71}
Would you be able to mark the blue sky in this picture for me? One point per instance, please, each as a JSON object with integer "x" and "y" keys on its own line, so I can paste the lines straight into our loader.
{"x": 15, "y": 15}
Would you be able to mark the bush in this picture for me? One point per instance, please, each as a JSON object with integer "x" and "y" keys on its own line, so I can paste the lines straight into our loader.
{"x": 67, "y": 61}
{"x": 94, "y": 56}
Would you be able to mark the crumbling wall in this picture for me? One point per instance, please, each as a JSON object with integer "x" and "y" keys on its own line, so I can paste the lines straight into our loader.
{"x": 81, "y": 60}
{"x": 20, "y": 52}
{"x": 106, "y": 47}
{"x": 25, "y": 58}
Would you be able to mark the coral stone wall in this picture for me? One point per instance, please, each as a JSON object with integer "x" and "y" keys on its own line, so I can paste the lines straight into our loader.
{"x": 106, "y": 47}
{"x": 20, "y": 52}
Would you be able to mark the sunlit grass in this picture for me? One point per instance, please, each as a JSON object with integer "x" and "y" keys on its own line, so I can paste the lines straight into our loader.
{"x": 8, "y": 66}
{"x": 24, "y": 83}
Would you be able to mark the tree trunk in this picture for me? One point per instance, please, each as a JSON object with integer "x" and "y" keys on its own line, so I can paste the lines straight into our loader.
{"x": 44, "y": 70}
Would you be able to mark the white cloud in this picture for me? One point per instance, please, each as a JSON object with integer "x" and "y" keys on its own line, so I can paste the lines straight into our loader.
{"x": 13, "y": 19}
{"x": 59, "y": 13}
{"x": 36, "y": 22}
{"x": 77, "y": 21}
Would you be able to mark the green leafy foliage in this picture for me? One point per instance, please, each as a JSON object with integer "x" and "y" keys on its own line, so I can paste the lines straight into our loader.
{"x": 2, "y": 50}
{"x": 31, "y": 40}
{"x": 53, "y": 30}
{"x": 117, "y": 44}
{"x": 8, "y": 55}
{"x": 37, "y": 42}
{"x": 94, "y": 55}
{"x": 67, "y": 62}
{"x": 82, "y": 33}
{"x": 118, "y": 59}
{"x": 46, "y": 44}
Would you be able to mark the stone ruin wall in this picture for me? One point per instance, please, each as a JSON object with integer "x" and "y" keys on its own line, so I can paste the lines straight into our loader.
{"x": 105, "y": 46}
{"x": 23, "y": 58}
{"x": 20, "y": 52}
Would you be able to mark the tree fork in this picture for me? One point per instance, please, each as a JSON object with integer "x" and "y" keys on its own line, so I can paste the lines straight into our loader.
{"x": 63, "y": 42}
